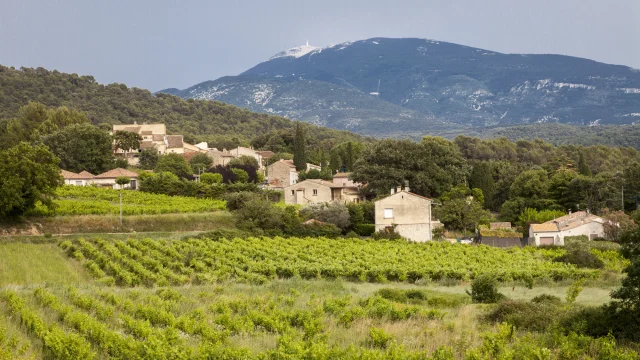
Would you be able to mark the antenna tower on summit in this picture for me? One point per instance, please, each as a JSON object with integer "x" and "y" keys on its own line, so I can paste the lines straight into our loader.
{"x": 377, "y": 92}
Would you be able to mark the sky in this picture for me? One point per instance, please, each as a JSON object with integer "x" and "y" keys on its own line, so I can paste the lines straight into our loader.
{"x": 160, "y": 44}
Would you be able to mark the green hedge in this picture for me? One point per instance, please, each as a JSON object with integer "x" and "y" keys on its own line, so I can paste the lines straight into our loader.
{"x": 365, "y": 229}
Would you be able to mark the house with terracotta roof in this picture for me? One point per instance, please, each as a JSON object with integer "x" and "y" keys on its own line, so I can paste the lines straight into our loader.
{"x": 410, "y": 214}
{"x": 108, "y": 179}
{"x": 313, "y": 191}
{"x": 83, "y": 178}
{"x": 554, "y": 231}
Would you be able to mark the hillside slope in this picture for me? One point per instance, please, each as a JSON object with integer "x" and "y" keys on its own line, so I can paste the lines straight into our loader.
{"x": 117, "y": 103}
{"x": 428, "y": 86}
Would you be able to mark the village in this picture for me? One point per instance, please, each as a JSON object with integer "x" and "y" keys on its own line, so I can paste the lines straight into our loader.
{"x": 408, "y": 214}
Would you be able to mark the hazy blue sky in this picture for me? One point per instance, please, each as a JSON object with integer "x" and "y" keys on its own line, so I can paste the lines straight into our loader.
{"x": 159, "y": 44}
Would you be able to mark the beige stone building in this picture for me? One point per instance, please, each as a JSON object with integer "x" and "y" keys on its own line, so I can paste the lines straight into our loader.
{"x": 282, "y": 173}
{"x": 409, "y": 213}
{"x": 108, "y": 179}
{"x": 83, "y": 178}
{"x": 315, "y": 191}
{"x": 554, "y": 231}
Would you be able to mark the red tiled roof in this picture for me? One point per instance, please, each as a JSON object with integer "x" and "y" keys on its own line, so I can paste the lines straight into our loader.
{"x": 112, "y": 174}
{"x": 86, "y": 174}
{"x": 342, "y": 175}
{"x": 158, "y": 137}
{"x": 174, "y": 141}
{"x": 147, "y": 132}
{"x": 266, "y": 154}
{"x": 147, "y": 145}
{"x": 70, "y": 175}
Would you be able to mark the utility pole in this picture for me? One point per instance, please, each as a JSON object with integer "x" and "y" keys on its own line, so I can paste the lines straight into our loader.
{"x": 121, "y": 206}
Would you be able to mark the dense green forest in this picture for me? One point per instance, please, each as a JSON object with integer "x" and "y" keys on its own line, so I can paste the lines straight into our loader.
{"x": 562, "y": 134}
{"x": 220, "y": 124}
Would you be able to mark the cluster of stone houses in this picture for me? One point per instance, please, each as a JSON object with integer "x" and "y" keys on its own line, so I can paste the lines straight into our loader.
{"x": 106, "y": 179}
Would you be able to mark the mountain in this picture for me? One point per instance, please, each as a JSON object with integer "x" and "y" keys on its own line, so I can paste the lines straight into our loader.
{"x": 220, "y": 124}
{"x": 409, "y": 87}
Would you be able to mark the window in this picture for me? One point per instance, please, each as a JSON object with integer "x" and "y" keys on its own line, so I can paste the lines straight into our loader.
{"x": 78, "y": 183}
{"x": 293, "y": 192}
{"x": 315, "y": 192}
{"x": 388, "y": 213}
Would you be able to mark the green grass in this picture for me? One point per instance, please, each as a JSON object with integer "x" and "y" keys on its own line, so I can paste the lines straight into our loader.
{"x": 87, "y": 224}
{"x": 89, "y": 200}
{"x": 37, "y": 264}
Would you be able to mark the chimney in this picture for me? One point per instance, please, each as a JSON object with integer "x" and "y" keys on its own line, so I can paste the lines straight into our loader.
{"x": 406, "y": 186}
{"x": 393, "y": 191}
{"x": 398, "y": 189}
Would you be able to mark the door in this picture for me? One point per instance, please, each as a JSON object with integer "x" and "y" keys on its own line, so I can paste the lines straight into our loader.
{"x": 546, "y": 240}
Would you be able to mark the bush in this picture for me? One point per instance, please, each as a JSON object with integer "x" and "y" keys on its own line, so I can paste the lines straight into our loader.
{"x": 530, "y": 316}
{"x": 546, "y": 298}
{"x": 332, "y": 213}
{"x": 210, "y": 178}
{"x": 379, "y": 338}
{"x": 484, "y": 290}
{"x": 581, "y": 259}
{"x": 388, "y": 233}
{"x": 365, "y": 229}
{"x": 221, "y": 234}
{"x": 241, "y": 176}
{"x": 237, "y": 200}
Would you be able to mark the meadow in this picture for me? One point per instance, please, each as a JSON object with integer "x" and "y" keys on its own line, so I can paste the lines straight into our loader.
{"x": 134, "y": 297}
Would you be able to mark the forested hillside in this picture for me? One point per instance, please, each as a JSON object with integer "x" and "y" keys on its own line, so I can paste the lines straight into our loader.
{"x": 199, "y": 120}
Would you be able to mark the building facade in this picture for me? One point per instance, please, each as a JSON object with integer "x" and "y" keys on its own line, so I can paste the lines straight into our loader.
{"x": 554, "y": 231}
{"x": 408, "y": 213}
{"x": 314, "y": 191}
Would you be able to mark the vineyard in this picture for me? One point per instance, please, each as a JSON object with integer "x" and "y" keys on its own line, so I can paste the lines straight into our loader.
{"x": 282, "y": 298}
{"x": 89, "y": 200}
{"x": 258, "y": 260}
{"x": 227, "y": 322}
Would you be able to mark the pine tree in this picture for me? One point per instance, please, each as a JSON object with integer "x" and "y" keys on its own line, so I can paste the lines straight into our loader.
{"x": 299, "y": 148}
{"x": 583, "y": 168}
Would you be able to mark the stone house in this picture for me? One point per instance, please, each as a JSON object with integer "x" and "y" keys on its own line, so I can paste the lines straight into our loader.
{"x": 220, "y": 157}
{"x": 83, "y": 178}
{"x": 108, "y": 179}
{"x": 342, "y": 178}
{"x": 313, "y": 191}
{"x": 554, "y": 231}
{"x": 282, "y": 173}
{"x": 409, "y": 213}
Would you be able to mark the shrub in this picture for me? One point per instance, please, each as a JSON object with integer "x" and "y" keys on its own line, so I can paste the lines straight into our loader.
{"x": 379, "y": 338}
{"x": 531, "y": 316}
{"x": 574, "y": 290}
{"x": 332, "y": 213}
{"x": 546, "y": 298}
{"x": 210, "y": 178}
{"x": 581, "y": 258}
{"x": 221, "y": 234}
{"x": 241, "y": 176}
{"x": 484, "y": 290}
{"x": 388, "y": 233}
{"x": 237, "y": 200}
{"x": 365, "y": 229}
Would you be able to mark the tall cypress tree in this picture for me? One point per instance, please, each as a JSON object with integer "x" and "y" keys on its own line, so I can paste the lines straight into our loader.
{"x": 481, "y": 178}
{"x": 583, "y": 168}
{"x": 299, "y": 148}
{"x": 349, "y": 157}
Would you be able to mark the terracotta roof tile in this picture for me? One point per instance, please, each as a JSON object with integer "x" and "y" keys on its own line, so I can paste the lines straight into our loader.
{"x": 135, "y": 129}
{"x": 545, "y": 227}
{"x": 86, "y": 174}
{"x": 342, "y": 175}
{"x": 147, "y": 145}
{"x": 266, "y": 154}
{"x": 146, "y": 132}
{"x": 70, "y": 175}
{"x": 158, "y": 137}
{"x": 174, "y": 141}
{"x": 112, "y": 174}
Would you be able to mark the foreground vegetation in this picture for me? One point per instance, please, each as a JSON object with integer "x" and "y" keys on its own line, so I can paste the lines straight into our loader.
{"x": 90, "y": 200}
{"x": 291, "y": 298}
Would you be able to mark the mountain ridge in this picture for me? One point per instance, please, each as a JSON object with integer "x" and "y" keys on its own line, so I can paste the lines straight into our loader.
{"x": 429, "y": 86}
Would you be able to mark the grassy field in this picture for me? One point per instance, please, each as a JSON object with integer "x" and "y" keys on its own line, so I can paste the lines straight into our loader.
{"x": 37, "y": 264}
{"x": 51, "y": 281}
{"x": 89, "y": 224}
